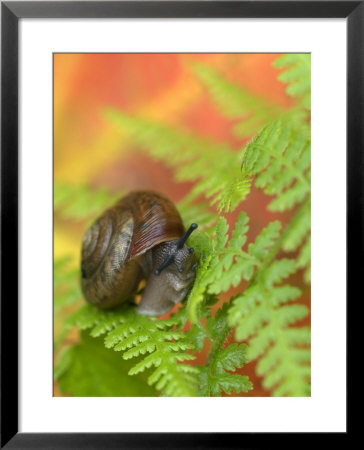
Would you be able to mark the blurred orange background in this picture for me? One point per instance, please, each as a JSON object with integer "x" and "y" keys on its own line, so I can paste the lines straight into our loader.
{"x": 89, "y": 150}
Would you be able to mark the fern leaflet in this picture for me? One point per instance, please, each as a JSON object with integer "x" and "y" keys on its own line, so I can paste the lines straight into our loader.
{"x": 81, "y": 202}
{"x": 297, "y": 75}
{"x": 279, "y": 156}
{"x": 216, "y": 377}
{"x": 236, "y": 103}
{"x": 156, "y": 343}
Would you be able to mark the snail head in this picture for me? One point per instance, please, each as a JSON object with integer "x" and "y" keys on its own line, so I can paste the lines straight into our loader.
{"x": 180, "y": 254}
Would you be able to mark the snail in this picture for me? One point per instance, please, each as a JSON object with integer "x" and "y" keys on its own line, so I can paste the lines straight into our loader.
{"x": 140, "y": 237}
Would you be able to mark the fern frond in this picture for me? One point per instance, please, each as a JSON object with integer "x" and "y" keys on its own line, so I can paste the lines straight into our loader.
{"x": 192, "y": 158}
{"x": 237, "y": 103}
{"x": 297, "y": 75}
{"x": 230, "y": 196}
{"x": 224, "y": 263}
{"x": 263, "y": 315}
{"x": 80, "y": 202}
{"x": 216, "y": 377}
{"x": 279, "y": 157}
{"x": 160, "y": 346}
{"x": 299, "y": 228}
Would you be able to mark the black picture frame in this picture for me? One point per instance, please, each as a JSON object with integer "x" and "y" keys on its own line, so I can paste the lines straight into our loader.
{"x": 11, "y": 13}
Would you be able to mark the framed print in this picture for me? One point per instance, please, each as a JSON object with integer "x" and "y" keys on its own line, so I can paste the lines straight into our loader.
{"x": 157, "y": 206}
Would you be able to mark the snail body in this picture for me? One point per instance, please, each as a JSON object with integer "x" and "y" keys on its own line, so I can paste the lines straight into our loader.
{"x": 140, "y": 237}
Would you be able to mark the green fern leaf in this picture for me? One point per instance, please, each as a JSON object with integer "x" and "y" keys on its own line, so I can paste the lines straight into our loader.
{"x": 79, "y": 202}
{"x": 304, "y": 259}
{"x": 277, "y": 271}
{"x": 300, "y": 227}
{"x": 265, "y": 240}
{"x": 279, "y": 156}
{"x": 230, "y": 358}
{"x": 232, "y": 194}
{"x": 224, "y": 263}
{"x": 229, "y": 383}
{"x": 262, "y": 316}
{"x": 297, "y": 75}
{"x": 236, "y": 102}
{"x": 155, "y": 341}
{"x": 215, "y": 377}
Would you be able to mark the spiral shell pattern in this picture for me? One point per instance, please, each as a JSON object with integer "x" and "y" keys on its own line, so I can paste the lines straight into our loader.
{"x": 105, "y": 249}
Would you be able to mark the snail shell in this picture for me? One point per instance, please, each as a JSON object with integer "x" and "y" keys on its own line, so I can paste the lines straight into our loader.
{"x": 140, "y": 237}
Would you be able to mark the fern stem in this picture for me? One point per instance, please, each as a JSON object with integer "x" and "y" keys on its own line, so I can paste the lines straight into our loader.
{"x": 216, "y": 347}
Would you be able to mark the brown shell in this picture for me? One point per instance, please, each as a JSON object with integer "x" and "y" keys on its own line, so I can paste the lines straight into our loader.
{"x": 156, "y": 220}
{"x": 138, "y": 222}
{"x": 142, "y": 220}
